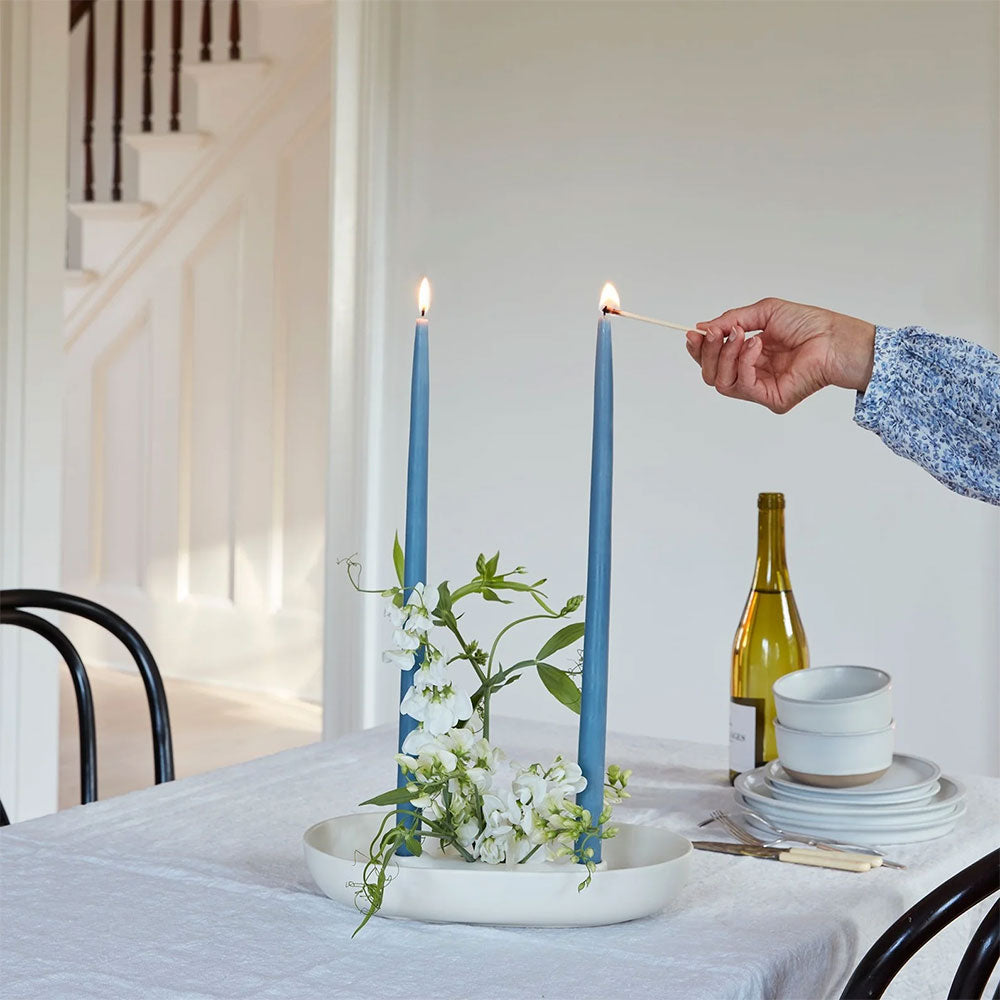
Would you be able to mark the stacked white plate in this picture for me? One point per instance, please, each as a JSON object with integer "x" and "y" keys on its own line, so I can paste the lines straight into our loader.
{"x": 911, "y": 802}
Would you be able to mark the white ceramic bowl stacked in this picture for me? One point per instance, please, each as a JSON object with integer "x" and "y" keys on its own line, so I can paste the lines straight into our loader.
{"x": 837, "y": 776}
{"x": 834, "y": 726}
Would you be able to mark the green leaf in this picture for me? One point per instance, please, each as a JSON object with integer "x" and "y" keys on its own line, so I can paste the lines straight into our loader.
{"x": 560, "y": 686}
{"x": 564, "y": 637}
{"x": 444, "y": 598}
{"x": 491, "y": 566}
{"x": 481, "y": 564}
{"x": 490, "y": 595}
{"x": 393, "y": 798}
{"x": 397, "y": 558}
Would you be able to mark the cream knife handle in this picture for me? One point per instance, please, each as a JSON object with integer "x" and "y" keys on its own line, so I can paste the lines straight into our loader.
{"x": 820, "y": 859}
{"x": 873, "y": 860}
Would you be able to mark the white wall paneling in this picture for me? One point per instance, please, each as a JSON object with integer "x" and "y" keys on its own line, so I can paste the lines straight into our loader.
{"x": 701, "y": 156}
{"x": 198, "y": 393}
{"x": 361, "y": 158}
{"x": 33, "y": 64}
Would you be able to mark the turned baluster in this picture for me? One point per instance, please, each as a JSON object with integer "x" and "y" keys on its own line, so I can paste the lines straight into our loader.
{"x": 88, "y": 111}
{"x": 234, "y": 29}
{"x": 147, "y": 66}
{"x": 116, "y": 115}
{"x": 206, "y": 30}
{"x": 176, "y": 42}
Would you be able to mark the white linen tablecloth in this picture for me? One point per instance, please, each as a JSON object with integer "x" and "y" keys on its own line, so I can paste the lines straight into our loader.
{"x": 199, "y": 889}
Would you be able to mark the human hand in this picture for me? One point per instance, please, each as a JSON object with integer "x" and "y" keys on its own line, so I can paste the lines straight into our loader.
{"x": 799, "y": 349}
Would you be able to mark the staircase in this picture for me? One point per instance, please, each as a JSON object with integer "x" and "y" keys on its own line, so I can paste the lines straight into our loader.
{"x": 212, "y": 103}
{"x": 197, "y": 332}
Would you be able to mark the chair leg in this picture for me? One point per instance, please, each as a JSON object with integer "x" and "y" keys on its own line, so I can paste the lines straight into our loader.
{"x": 81, "y": 685}
{"x": 980, "y": 958}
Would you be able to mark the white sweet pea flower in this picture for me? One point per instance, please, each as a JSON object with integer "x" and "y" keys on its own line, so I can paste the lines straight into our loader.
{"x": 492, "y": 850}
{"x": 414, "y": 743}
{"x": 433, "y": 672}
{"x": 437, "y": 708}
{"x": 467, "y": 832}
{"x": 416, "y": 598}
{"x": 418, "y": 622}
{"x": 405, "y": 639}
{"x": 397, "y": 616}
{"x": 402, "y": 658}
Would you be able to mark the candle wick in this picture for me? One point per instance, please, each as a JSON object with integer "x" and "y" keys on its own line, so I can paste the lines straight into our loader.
{"x": 423, "y": 312}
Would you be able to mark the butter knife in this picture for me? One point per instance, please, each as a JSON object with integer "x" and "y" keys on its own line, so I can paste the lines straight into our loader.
{"x": 794, "y": 855}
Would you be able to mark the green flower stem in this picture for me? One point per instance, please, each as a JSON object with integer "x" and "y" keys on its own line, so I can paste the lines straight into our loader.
{"x": 489, "y": 665}
{"x": 468, "y": 655}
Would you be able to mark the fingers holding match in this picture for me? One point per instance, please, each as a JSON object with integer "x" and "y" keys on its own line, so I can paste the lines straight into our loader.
{"x": 710, "y": 352}
{"x": 725, "y": 378}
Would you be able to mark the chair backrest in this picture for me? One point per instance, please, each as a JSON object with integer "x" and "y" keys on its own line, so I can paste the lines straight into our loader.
{"x": 925, "y": 919}
{"x": 16, "y": 609}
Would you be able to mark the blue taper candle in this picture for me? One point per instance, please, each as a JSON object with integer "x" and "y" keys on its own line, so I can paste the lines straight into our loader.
{"x": 415, "y": 542}
{"x": 594, "y": 698}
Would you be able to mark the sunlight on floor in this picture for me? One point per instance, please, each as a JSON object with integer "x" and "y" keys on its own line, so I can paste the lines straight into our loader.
{"x": 212, "y": 727}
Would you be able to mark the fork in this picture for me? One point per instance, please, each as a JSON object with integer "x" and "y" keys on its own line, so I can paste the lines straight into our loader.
{"x": 784, "y": 836}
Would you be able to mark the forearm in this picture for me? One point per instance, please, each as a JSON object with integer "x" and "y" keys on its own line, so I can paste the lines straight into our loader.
{"x": 936, "y": 401}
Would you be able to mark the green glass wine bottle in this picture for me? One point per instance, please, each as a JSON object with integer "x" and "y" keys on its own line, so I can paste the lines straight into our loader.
{"x": 769, "y": 643}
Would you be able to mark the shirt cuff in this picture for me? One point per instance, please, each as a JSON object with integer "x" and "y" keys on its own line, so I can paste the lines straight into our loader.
{"x": 869, "y": 404}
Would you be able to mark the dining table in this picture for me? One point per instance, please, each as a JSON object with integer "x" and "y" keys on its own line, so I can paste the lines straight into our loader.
{"x": 198, "y": 888}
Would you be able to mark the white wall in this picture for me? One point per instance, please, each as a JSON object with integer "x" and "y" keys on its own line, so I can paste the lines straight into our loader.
{"x": 701, "y": 156}
{"x": 33, "y": 63}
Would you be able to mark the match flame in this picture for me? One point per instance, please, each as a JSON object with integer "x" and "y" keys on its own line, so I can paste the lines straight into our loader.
{"x": 609, "y": 298}
{"x": 424, "y": 297}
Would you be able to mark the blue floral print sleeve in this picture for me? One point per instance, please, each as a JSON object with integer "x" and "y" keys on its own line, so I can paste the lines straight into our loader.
{"x": 936, "y": 401}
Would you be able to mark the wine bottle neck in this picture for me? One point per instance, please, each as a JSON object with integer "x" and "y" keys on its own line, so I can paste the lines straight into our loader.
{"x": 771, "y": 572}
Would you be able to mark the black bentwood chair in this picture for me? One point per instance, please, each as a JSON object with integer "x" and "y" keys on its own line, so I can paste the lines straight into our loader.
{"x": 16, "y": 608}
{"x": 921, "y": 922}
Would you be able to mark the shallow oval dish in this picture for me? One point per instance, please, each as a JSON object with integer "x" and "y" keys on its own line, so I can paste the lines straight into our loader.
{"x": 644, "y": 869}
{"x": 838, "y": 699}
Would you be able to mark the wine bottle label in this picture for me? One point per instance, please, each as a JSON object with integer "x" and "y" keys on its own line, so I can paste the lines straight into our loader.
{"x": 746, "y": 733}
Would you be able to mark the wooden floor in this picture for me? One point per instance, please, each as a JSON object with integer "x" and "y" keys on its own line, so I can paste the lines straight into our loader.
{"x": 212, "y": 727}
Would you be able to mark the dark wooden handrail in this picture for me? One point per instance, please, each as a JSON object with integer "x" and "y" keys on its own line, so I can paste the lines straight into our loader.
{"x": 77, "y": 9}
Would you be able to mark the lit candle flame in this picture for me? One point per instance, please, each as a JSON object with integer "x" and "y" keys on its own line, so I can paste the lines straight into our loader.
{"x": 609, "y": 298}
{"x": 424, "y": 297}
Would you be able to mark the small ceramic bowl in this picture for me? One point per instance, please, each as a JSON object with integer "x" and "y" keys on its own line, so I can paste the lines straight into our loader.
{"x": 835, "y": 760}
{"x": 834, "y": 699}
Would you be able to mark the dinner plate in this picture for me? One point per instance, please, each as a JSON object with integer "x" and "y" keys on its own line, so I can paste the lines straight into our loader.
{"x": 842, "y": 821}
{"x": 865, "y": 836}
{"x": 760, "y": 795}
{"x": 907, "y": 778}
{"x": 907, "y": 797}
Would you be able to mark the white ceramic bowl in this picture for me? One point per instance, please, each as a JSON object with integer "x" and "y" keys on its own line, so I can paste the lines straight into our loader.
{"x": 834, "y": 699}
{"x": 835, "y": 760}
{"x": 644, "y": 868}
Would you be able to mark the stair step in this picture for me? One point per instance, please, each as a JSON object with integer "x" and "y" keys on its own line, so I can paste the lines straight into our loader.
{"x": 110, "y": 211}
{"x": 78, "y": 278}
{"x": 76, "y": 283}
{"x": 225, "y": 90}
{"x": 106, "y": 229}
{"x": 164, "y": 160}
